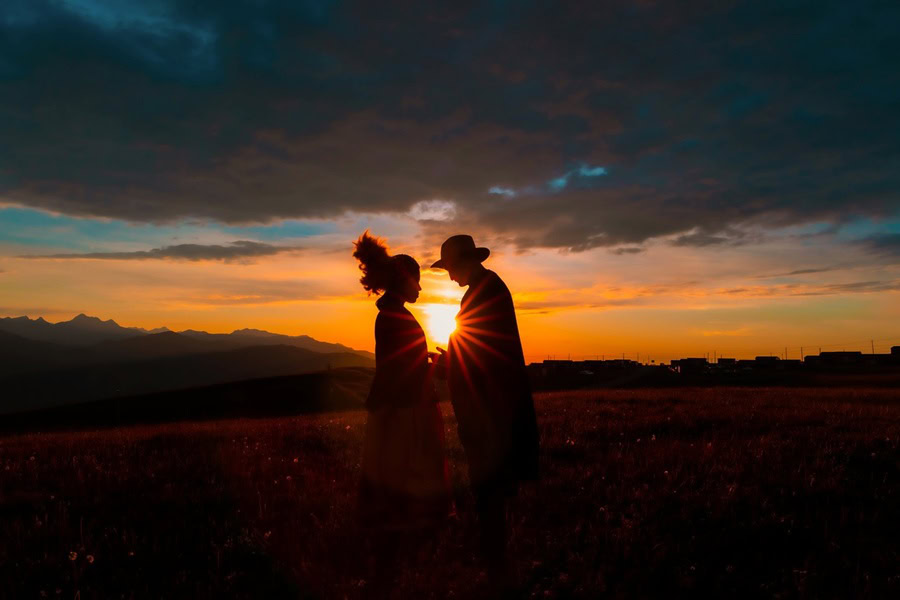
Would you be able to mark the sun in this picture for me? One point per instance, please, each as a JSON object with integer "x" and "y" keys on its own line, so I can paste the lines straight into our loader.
{"x": 440, "y": 322}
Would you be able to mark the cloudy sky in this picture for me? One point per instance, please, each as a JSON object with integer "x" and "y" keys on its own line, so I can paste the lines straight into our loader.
{"x": 669, "y": 178}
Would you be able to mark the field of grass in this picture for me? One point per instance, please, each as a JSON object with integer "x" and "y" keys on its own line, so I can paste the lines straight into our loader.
{"x": 769, "y": 493}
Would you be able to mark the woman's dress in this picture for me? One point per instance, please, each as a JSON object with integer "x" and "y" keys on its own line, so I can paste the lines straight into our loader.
{"x": 405, "y": 478}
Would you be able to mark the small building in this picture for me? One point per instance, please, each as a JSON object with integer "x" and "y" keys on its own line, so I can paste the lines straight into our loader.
{"x": 841, "y": 358}
{"x": 690, "y": 365}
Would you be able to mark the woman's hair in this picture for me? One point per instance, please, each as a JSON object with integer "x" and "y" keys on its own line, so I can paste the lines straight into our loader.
{"x": 380, "y": 270}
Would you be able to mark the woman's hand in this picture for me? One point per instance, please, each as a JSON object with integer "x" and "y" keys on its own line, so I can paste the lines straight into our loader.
{"x": 439, "y": 362}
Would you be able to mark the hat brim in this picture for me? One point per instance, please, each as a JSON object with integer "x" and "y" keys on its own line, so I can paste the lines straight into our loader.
{"x": 481, "y": 254}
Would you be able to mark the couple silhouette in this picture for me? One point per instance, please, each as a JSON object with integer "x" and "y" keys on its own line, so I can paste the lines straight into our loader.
{"x": 405, "y": 493}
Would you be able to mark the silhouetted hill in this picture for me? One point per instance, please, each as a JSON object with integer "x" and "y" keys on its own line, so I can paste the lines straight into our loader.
{"x": 257, "y": 337}
{"x": 20, "y": 355}
{"x": 335, "y": 389}
{"x": 26, "y": 391}
{"x": 84, "y": 331}
{"x": 154, "y": 345}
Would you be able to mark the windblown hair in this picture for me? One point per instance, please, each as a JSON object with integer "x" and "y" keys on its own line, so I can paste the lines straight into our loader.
{"x": 380, "y": 270}
{"x": 374, "y": 262}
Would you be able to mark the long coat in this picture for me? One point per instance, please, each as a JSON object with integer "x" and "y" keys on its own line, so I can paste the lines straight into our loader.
{"x": 489, "y": 387}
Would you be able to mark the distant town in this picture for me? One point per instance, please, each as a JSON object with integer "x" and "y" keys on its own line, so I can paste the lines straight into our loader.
{"x": 823, "y": 368}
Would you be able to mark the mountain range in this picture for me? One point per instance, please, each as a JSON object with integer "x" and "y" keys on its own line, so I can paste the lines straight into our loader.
{"x": 44, "y": 364}
{"x": 87, "y": 331}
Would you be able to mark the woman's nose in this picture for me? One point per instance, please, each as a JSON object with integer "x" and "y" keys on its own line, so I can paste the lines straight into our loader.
{"x": 419, "y": 287}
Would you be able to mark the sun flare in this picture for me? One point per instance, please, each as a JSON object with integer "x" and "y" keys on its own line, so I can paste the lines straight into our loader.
{"x": 440, "y": 322}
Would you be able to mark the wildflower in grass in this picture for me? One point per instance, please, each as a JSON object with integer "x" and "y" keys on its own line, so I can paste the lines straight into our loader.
{"x": 90, "y": 558}
{"x": 296, "y": 460}
{"x": 73, "y": 555}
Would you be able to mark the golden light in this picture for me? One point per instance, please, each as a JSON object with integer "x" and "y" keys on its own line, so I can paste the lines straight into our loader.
{"x": 440, "y": 322}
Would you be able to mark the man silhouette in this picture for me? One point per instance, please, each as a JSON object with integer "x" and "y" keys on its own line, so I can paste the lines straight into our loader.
{"x": 490, "y": 393}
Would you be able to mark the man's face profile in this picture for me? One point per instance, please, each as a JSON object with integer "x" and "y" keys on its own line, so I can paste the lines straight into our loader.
{"x": 459, "y": 272}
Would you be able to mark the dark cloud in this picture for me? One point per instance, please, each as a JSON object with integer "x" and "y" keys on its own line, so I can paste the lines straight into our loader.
{"x": 699, "y": 239}
{"x": 887, "y": 244}
{"x": 235, "y": 251}
{"x": 853, "y": 287}
{"x": 806, "y": 271}
{"x": 798, "y": 272}
{"x": 596, "y": 124}
{"x": 627, "y": 250}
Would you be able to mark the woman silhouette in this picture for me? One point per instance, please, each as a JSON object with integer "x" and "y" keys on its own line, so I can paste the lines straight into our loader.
{"x": 404, "y": 494}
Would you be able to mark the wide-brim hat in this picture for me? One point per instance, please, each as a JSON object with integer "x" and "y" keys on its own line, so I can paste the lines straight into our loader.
{"x": 460, "y": 248}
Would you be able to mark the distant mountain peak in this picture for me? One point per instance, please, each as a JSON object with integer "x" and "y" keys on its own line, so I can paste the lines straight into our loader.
{"x": 250, "y": 331}
{"x": 83, "y": 319}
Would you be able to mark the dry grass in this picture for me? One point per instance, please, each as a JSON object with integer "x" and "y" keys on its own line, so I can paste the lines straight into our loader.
{"x": 704, "y": 492}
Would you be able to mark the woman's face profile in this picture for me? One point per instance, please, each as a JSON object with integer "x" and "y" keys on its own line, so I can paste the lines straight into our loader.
{"x": 410, "y": 287}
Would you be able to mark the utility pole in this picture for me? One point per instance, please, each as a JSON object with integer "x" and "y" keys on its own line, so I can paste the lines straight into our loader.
{"x": 873, "y": 345}
{"x": 785, "y": 353}
{"x": 801, "y": 353}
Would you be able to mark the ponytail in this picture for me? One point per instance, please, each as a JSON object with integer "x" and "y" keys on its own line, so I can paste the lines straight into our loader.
{"x": 374, "y": 262}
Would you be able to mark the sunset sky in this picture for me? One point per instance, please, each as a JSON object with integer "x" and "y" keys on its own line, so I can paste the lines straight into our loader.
{"x": 662, "y": 178}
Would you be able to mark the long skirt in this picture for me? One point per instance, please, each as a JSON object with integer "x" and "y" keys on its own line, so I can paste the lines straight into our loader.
{"x": 405, "y": 478}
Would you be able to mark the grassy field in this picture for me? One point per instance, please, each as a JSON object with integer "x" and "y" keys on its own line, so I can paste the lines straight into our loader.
{"x": 769, "y": 493}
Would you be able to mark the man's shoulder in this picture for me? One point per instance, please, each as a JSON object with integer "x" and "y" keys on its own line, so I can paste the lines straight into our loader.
{"x": 489, "y": 287}
{"x": 494, "y": 282}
